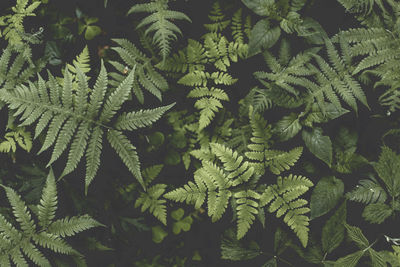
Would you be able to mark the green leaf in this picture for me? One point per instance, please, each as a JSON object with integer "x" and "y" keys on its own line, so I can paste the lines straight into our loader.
{"x": 92, "y": 31}
{"x": 377, "y": 212}
{"x": 333, "y": 231}
{"x": 325, "y": 196}
{"x": 233, "y": 249}
{"x": 349, "y": 260}
{"x": 158, "y": 234}
{"x": 288, "y": 127}
{"x": 260, "y": 7}
{"x": 357, "y": 236}
{"x": 319, "y": 145}
{"x": 262, "y": 37}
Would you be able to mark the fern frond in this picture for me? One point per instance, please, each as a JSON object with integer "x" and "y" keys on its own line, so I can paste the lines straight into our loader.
{"x": 127, "y": 153}
{"x": 219, "y": 23}
{"x": 48, "y": 203}
{"x": 261, "y": 155}
{"x": 47, "y": 234}
{"x": 71, "y": 226}
{"x": 285, "y": 201}
{"x": 17, "y": 70}
{"x": 150, "y": 200}
{"x": 20, "y": 211}
{"x": 159, "y": 22}
{"x": 367, "y": 191}
{"x": 79, "y": 119}
{"x": 81, "y": 61}
{"x": 246, "y": 210}
{"x": 146, "y": 76}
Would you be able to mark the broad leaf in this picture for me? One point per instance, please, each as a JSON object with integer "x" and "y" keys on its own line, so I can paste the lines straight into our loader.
{"x": 263, "y": 37}
{"x": 288, "y": 127}
{"x": 319, "y": 145}
{"x": 333, "y": 231}
{"x": 377, "y": 213}
{"x": 325, "y": 196}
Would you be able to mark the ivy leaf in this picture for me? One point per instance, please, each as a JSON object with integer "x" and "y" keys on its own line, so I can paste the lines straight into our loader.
{"x": 262, "y": 36}
{"x": 377, "y": 212}
{"x": 325, "y": 196}
{"x": 333, "y": 231}
{"x": 319, "y": 145}
{"x": 288, "y": 127}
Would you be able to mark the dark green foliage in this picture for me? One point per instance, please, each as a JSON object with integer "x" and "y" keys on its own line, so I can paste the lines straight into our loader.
{"x": 18, "y": 245}
{"x": 255, "y": 145}
{"x": 159, "y": 22}
{"x": 79, "y": 119}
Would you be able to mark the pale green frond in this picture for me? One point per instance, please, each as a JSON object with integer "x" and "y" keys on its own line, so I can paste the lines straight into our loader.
{"x": 127, "y": 153}
{"x": 71, "y": 226}
{"x": 150, "y": 200}
{"x": 159, "y": 23}
{"x": 367, "y": 191}
{"x": 20, "y": 211}
{"x": 246, "y": 210}
{"x": 117, "y": 98}
{"x": 142, "y": 118}
{"x": 48, "y": 202}
{"x": 93, "y": 153}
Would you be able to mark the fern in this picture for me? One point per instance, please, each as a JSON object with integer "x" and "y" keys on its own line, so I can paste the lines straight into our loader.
{"x": 17, "y": 68}
{"x": 159, "y": 22}
{"x": 215, "y": 52}
{"x": 334, "y": 81}
{"x": 146, "y": 77}
{"x": 150, "y": 200}
{"x": 74, "y": 119}
{"x": 48, "y": 233}
{"x": 16, "y": 135}
{"x": 231, "y": 175}
{"x": 13, "y": 23}
{"x": 218, "y": 19}
{"x": 284, "y": 201}
{"x": 276, "y": 160}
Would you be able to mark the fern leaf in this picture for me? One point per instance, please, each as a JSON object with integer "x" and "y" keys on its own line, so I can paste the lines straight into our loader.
{"x": 71, "y": 226}
{"x": 93, "y": 154}
{"x": 191, "y": 193}
{"x": 284, "y": 196}
{"x": 146, "y": 76}
{"x": 141, "y": 118}
{"x": 150, "y": 200}
{"x": 35, "y": 255}
{"x": 53, "y": 242}
{"x": 48, "y": 202}
{"x": 159, "y": 22}
{"x": 82, "y": 62}
{"x": 279, "y": 161}
{"x": 20, "y": 211}
{"x": 367, "y": 191}
{"x": 117, "y": 98}
{"x": 246, "y": 210}
{"x": 127, "y": 153}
